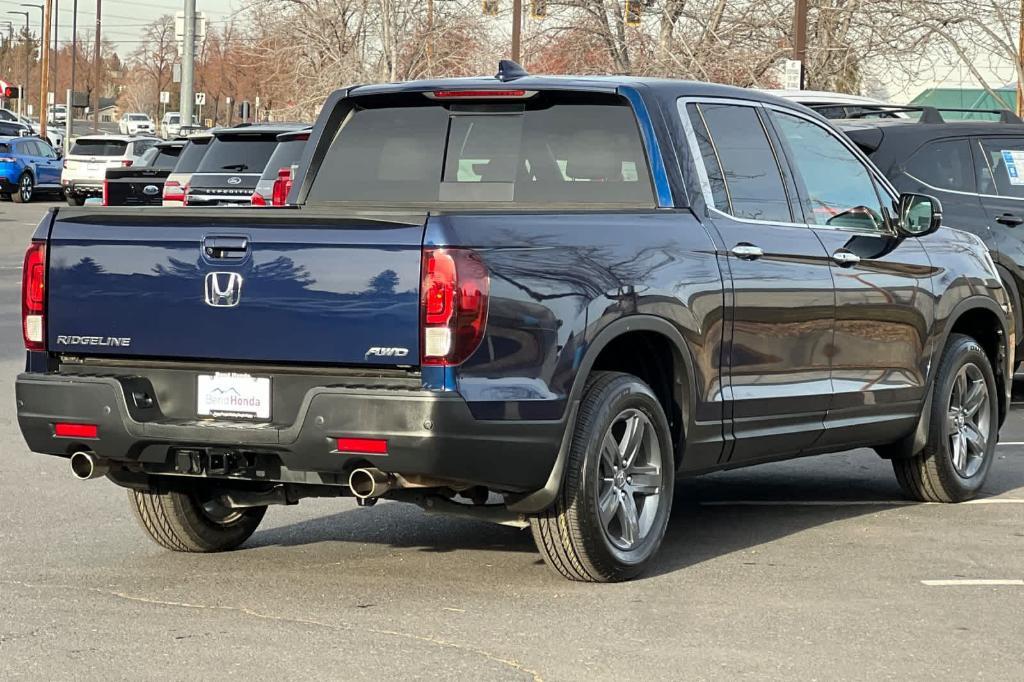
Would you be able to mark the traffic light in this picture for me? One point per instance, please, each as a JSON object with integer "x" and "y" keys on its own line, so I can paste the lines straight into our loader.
{"x": 12, "y": 92}
{"x": 632, "y": 12}
{"x": 490, "y": 8}
{"x": 539, "y": 9}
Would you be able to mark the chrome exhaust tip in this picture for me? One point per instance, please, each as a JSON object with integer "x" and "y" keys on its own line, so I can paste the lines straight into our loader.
{"x": 86, "y": 466}
{"x": 370, "y": 483}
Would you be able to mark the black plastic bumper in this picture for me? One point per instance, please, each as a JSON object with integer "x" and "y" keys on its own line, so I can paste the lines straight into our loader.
{"x": 7, "y": 186}
{"x": 428, "y": 433}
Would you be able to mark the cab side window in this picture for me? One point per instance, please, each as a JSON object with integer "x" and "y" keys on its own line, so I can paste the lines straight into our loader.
{"x": 742, "y": 170}
{"x": 839, "y": 189}
{"x": 943, "y": 164}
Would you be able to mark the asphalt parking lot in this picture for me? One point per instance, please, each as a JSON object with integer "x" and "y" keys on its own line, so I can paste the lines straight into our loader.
{"x": 811, "y": 569}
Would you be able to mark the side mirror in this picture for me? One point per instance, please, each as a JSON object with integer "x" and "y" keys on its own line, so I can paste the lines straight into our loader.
{"x": 917, "y": 215}
{"x": 59, "y": 151}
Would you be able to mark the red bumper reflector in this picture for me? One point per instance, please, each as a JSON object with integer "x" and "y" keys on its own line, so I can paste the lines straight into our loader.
{"x": 66, "y": 430}
{"x": 365, "y": 446}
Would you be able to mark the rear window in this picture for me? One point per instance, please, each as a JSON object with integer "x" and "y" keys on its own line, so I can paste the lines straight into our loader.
{"x": 174, "y": 119}
{"x": 286, "y": 155}
{"x": 5, "y": 149}
{"x": 551, "y": 149}
{"x": 99, "y": 147}
{"x": 238, "y": 154}
{"x": 138, "y": 117}
{"x": 191, "y": 155}
{"x": 163, "y": 157}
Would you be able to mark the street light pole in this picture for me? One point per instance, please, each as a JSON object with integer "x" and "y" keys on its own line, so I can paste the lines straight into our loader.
{"x": 98, "y": 68}
{"x": 44, "y": 70}
{"x": 74, "y": 59}
{"x": 22, "y": 110}
{"x": 188, "y": 56}
{"x": 42, "y": 58}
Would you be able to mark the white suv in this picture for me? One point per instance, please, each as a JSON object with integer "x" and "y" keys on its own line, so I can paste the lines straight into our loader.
{"x": 90, "y": 156}
{"x": 136, "y": 124}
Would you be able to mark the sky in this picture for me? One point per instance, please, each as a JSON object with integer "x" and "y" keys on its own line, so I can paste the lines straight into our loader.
{"x": 123, "y": 20}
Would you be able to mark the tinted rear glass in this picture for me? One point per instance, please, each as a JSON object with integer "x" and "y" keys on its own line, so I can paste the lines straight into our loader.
{"x": 99, "y": 147}
{"x": 191, "y": 155}
{"x": 5, "y": 149}
{"x": 550, "y": 149}
{"x": 238, "y": 154}
{"x": 166, "y": 157}
{"x": 287, "y": 154}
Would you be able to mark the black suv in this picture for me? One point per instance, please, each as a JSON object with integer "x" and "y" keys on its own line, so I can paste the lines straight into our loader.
{"x": 975, "y": 167}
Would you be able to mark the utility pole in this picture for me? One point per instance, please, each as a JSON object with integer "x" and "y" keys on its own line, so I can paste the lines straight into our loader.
{"x": 1020, "y": 61}
{"x": 70, "y": 125}
{"x": 517, "y": 28}
{"x": 97, "y": 68}
{"x": 53, "y": 50}
{"x": 42, "y": 52}
{"x": 800, "y": 39}
{"x": 188, "y": 57}
{"x": 44, "y": 70}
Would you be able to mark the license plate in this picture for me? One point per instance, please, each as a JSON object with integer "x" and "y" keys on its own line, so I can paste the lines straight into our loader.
{"x": 92, "y": 166}
{"x": 233, "y": 396}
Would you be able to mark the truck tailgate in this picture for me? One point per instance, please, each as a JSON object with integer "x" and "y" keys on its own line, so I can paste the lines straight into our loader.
{"x": 266, "y": 285}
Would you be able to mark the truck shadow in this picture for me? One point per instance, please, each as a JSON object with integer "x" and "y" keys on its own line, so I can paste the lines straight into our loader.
{"x": 713, "y": 516}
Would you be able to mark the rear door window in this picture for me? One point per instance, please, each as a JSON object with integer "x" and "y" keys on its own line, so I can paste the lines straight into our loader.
{"x": 550, "y": 149}
{"x": 286, "y": 155}
{"x": 99, "y": 147}
{"x": 192, "y": 155}
{"x": 943, "y": 164}
{"x": 742, "y": 169}
{"x": 239, "y": 154}
{"x": 1000, "y": 170}
{"x": 164, "y": 157}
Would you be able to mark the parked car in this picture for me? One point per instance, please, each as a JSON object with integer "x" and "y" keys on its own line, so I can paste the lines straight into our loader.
{"x": 975, "y": 167}
{"x": 559, "y": 292}
{"x": 191, "y": 155}
{"x": 142, "y": 183}
{"x": 231, "y": 168}
{"x": 90, "y": 157}
{"x": 57, "y": 113}
{"x": 276, "y": 182}
{"x": 14, "y": 129}
{"x": 136, "y": 124}
{"x": 836, "y": 105}
{"x": 171, "y": 126}
{"x": 28, "y": 166}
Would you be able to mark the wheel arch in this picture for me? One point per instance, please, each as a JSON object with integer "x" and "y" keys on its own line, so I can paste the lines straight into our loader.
{"x": 966, "y": 318}
{"x": 680, "y": 396}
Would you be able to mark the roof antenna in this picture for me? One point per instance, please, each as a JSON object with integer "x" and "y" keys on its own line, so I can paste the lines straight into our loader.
{"x": 508, "y": 70}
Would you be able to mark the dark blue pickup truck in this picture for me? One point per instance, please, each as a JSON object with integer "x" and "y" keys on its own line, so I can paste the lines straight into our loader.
{"x": 534, "y": 300}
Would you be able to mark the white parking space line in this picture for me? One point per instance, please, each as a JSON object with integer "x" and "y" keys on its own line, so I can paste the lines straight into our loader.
{"x": 848, "y": 503}
{"x": 1012, "y": 442}
{"x": 971, "y": 582}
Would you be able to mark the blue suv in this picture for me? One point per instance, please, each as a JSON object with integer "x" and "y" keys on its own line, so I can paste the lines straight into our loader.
{"x": 27, "y": 164}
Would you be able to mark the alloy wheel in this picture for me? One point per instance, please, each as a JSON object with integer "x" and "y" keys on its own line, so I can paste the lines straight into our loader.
{"x": 968, "y": 420}
{"x": 25, "y": 189}
{"x": 629, "y": 484}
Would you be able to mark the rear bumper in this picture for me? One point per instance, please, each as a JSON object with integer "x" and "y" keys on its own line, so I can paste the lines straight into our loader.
{"x": 8, "y": 186}
{"x": 428, "y": 433}
{"x": 83, "y": 188}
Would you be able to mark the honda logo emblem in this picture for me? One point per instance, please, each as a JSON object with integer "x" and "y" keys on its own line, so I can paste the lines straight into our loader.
{"x": 223, "y": 289}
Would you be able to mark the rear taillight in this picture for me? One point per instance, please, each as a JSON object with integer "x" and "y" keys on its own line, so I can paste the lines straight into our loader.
{"x": 33, "y": 297}
{"x": 64, "y": 164}
{"x": 184, "y": 195}
{"x": 257, "y": 199}
{"x": 105, "y": 188}
{"x": 126, "y": 162}
{"x": 282, "y": 186}
{"x": 453, "y": 297}
{"x": 173, "y": 191}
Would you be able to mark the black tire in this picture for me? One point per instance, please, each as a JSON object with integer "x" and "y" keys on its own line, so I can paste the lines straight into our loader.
{"x": 178, "y": 522}
{"x": 936, "y": 474}
{"x": 26, "y": 188}
{"x": 571, "y": 535}
{"x": 5, "y": 197}
{"x": 73, "y": 199}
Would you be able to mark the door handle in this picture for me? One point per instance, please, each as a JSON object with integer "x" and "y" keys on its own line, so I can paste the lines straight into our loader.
{"x": 226, "y": 248}
{"x": 1010, "y": 220}
{"x": 745, "y": 251}
{"x": 845, "y": 259}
